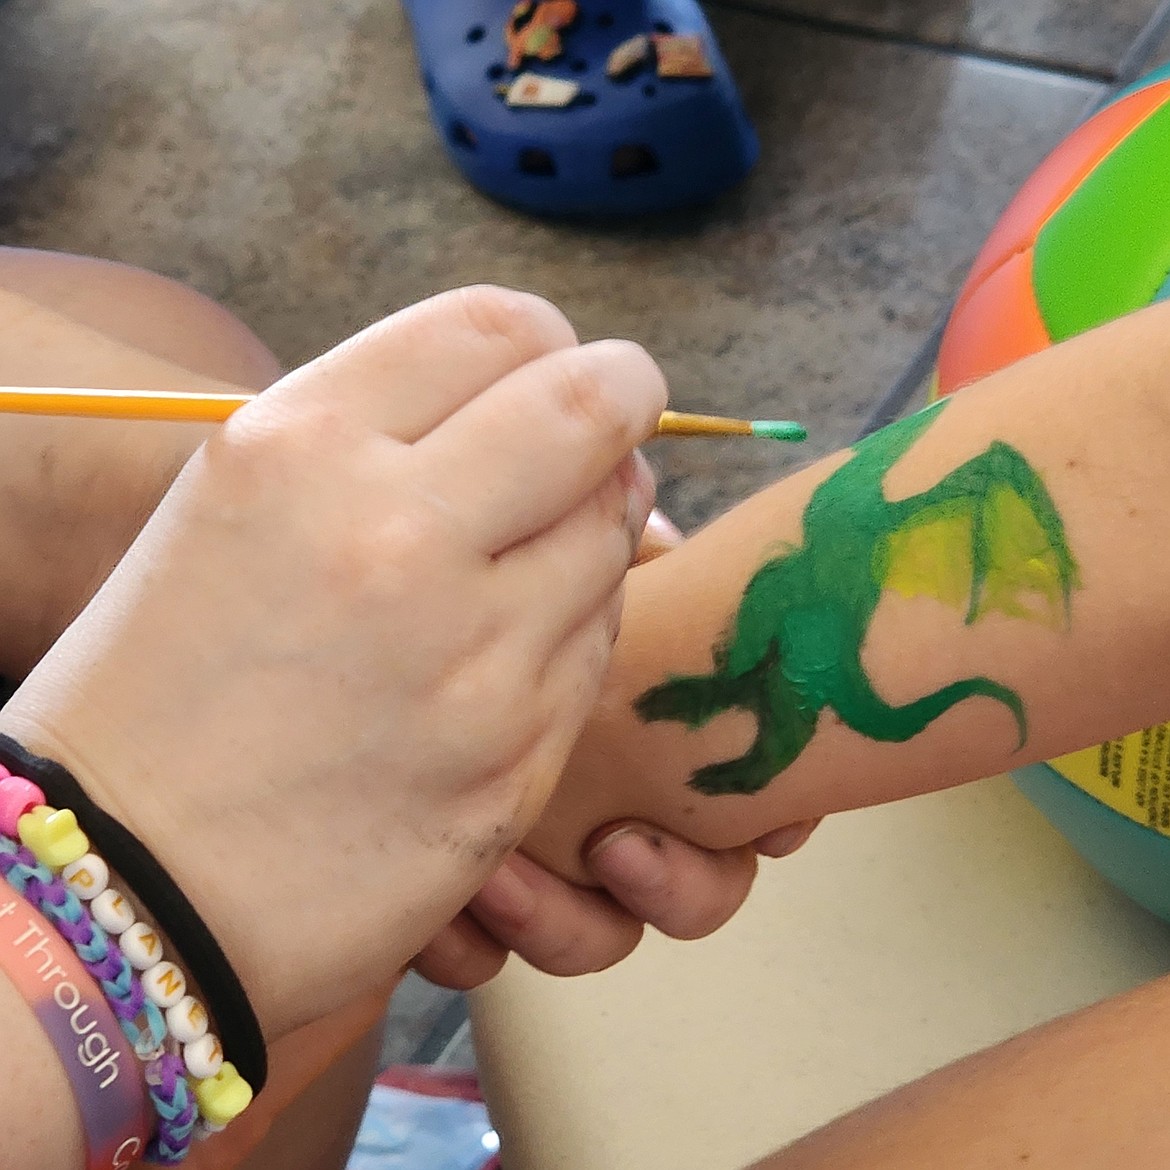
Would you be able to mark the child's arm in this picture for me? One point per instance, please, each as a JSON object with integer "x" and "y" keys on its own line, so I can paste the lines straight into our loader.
{"x": 1026, "y": 519}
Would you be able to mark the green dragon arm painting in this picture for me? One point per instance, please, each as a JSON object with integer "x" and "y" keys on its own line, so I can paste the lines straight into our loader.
{"x": 986, "y": 538}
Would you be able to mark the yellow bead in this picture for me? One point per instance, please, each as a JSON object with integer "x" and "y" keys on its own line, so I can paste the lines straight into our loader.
{"x": 53, "y": 836}
{"x": 223, "y": 1097}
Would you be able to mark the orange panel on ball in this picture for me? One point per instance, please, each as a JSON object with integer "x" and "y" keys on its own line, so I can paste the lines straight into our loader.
{"x": 998, "y": 324}
{"x": 1058, "y": 176}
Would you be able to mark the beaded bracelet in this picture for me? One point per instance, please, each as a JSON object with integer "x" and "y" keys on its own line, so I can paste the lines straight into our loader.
{"x": 97, "y": 1058}
{"x": 168, "y": 906}
{"x": 57, "y": 842}
{"x": 54, "y": 867}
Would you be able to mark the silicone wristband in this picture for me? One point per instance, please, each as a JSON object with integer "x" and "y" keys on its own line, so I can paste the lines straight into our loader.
{"x": 116, "y": 1117}
{"x": 171, "y": 1096}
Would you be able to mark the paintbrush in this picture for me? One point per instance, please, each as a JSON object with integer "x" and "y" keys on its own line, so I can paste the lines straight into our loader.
{"x": 184, "y": 406}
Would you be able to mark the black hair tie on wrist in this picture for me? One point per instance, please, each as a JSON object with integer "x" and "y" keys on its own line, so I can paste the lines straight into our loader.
{"x": 220, "y": 986}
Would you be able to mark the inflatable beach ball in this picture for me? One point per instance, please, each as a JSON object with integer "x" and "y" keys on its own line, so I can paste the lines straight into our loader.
{"x": 1086, "y": 240}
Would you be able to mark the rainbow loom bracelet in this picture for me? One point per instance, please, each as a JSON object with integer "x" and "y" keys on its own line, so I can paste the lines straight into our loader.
{"x": 57, "y": 846}
{"x": 170, "y": 1096}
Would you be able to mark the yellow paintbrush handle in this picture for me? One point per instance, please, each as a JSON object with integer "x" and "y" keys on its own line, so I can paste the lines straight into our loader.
{"x": 160, "y": 405}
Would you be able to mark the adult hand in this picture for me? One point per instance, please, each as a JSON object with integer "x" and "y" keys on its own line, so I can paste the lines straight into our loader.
{"x": 330, "y": 680}
{"x": 644, "y": 877}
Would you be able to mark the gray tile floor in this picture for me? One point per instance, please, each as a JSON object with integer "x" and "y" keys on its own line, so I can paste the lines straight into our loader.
{"x": 277, "y": 154}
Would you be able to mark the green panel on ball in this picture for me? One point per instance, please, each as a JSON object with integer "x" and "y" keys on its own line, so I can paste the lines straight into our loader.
{"x": 1106, "y": 251}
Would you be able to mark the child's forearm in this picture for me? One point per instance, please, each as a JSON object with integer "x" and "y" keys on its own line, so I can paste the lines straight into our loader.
{"x": 969, "y": 591}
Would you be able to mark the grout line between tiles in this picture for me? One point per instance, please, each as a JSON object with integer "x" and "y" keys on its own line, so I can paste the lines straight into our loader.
{"x": 945, "y": 48}
{"x": 459, "y": 1037}
{"x": 1136, "y": 60}
{"x": 447, "y": 1028}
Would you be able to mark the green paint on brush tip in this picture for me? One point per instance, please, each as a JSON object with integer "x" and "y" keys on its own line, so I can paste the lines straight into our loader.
{"x": 784, "y": 432}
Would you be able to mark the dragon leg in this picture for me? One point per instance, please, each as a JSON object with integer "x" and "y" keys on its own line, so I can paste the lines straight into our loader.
{"x": 695, "y": 699}
{"x": 784, "y": 725}
{"x": 784, "y": 721}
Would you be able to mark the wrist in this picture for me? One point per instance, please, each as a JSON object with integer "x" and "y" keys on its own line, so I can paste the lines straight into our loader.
{"x": 170, "y": 897}
{"x": 225, "y": 865}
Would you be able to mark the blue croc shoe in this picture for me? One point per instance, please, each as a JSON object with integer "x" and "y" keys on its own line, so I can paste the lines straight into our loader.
{"x": 597, "y": 107}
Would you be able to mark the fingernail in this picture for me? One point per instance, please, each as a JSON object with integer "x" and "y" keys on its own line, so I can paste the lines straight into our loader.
{"x": 663, "y": 528}
{"x": 506, "y": 896}
{"x": 629, "y": 861}
{"x": 786, "y": 840}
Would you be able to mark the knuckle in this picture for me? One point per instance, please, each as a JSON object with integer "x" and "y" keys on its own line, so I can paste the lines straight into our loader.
{"x": 577, "y": 955}
{"x": 583, "y": 395}
{"x": 709, "y": 904}
{"x": 473, "y": 968}
{"x": 529, "y": 324}
{"x": 372, "y": 566}
{"x": 640, "y": 372}
{"x": 277, "y": 438}
{"x": 695, "y": 922}
{"x": 613, "y": 387}
{"x": 374, "y": 557}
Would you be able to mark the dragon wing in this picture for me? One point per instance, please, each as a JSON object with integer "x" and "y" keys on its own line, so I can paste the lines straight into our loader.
{"x": 987, "y": 539}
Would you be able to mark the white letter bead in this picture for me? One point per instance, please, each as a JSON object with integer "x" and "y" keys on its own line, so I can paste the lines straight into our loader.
{"x": 187, "y": 1020}
{"x": 204, "y": 1057}
{"x": 112, "y": 911}
{"x": 164, "y": 984}
{"x": 87, "y": 877}
{"x": 141, "y": 946}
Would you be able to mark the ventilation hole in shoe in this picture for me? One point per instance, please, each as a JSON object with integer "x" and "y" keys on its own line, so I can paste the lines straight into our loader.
{"x": 461, "y": 135}
{"x": 534, "y": 161}
{"x": 579, "y": 66}
{"x": 632, "y": 160}
{"x": 649, "y": 90}
{"x": 605, "y": 20}
{"x": 496, "y": 71}
{"x": 475, "y": 34}
{"x": 664, "y": 27}
{"x": 585, "y": 98}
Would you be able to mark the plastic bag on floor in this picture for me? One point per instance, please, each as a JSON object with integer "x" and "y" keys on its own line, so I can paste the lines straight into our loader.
{"x": 420, "y": 1119}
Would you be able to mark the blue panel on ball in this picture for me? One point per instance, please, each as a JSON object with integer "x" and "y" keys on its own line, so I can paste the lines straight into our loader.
{"x": 1134, "y": 858}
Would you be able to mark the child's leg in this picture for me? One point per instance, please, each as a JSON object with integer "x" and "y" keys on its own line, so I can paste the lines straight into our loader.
{"x": 149, "y": 313}
{"x": 74, "y": 492}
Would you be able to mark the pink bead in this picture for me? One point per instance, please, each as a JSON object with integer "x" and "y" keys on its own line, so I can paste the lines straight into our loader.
{"x": 17, "y": 797}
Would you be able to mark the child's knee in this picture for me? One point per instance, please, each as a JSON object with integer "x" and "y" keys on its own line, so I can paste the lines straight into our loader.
{"x": 145, "y": 310}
